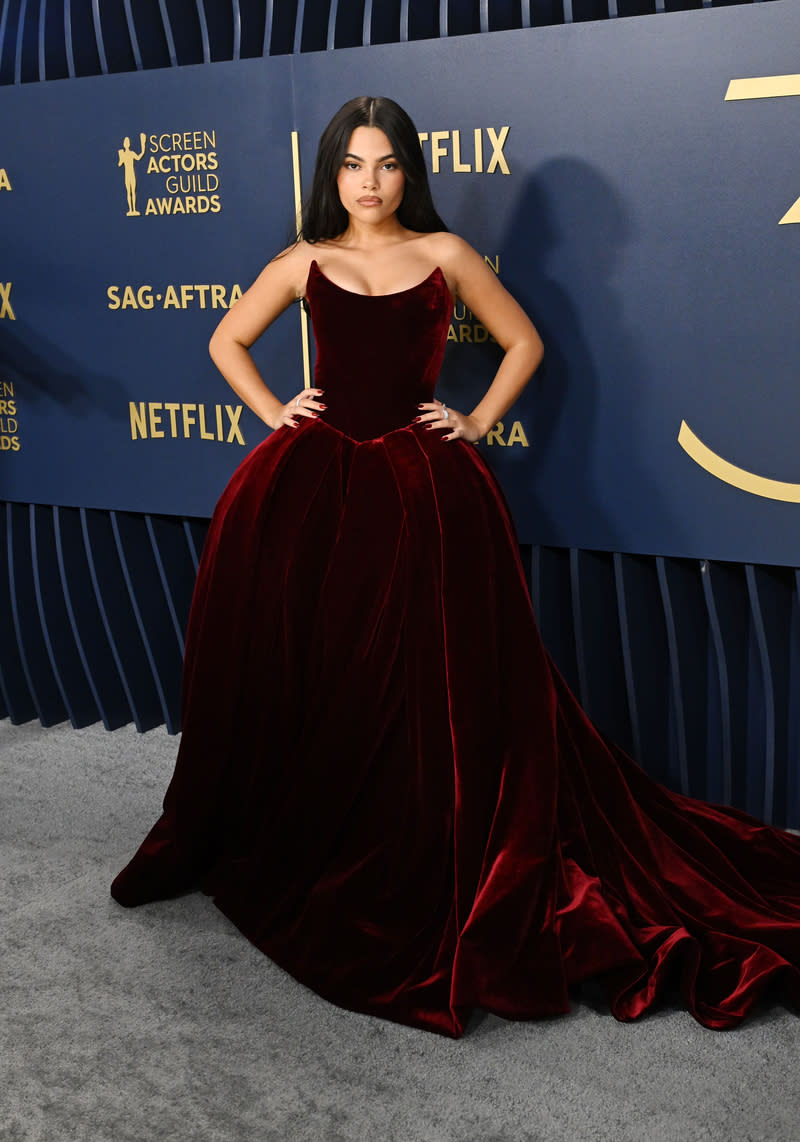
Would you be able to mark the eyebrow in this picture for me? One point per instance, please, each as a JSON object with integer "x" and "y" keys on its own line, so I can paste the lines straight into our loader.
{"x": 382, "y": 159}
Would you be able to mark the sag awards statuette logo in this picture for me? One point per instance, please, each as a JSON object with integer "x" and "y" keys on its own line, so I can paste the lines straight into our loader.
{"x": 759, "y": 87}
{"x": 9, "y": 425}
{"x": 174, "y": 173}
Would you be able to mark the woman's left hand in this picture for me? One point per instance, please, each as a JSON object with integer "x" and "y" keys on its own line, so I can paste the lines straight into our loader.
{"x": 459, "y": 426}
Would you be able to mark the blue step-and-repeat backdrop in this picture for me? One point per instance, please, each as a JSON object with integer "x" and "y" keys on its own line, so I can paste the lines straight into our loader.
{"x": 636, "y": 184}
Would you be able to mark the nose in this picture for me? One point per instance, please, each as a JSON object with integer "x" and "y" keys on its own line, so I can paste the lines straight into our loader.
{"x": 370, "y": 180}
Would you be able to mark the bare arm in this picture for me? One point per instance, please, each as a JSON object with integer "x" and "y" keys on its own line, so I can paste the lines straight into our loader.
{"x": 480, "y": 289}
{"x": 279, "y": 284}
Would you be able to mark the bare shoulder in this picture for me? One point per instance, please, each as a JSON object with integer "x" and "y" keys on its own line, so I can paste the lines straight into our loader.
{"x": 287, "y": 272}
{"x": 281, "y": 282}
{"x": 462, "y": 265}
{"x": 446, "y": 248}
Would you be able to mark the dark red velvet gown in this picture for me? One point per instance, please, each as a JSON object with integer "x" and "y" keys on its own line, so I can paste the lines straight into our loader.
{"x": 382, "y": 779}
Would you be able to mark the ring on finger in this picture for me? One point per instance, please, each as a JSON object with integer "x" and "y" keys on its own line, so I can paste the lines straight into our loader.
{"x": 445, "y": 413}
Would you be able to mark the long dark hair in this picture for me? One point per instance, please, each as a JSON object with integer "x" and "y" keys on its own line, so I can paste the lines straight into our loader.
{"x": 323, "y": 214}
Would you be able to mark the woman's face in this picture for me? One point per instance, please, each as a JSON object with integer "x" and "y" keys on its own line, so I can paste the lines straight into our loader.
{"x": 370, "y": 180}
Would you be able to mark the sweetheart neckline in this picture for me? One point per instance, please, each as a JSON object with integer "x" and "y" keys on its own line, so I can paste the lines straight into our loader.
{"x": 394, "y": 293}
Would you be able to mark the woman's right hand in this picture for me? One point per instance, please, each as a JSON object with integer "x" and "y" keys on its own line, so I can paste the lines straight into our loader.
{"x": 306, "y": 403}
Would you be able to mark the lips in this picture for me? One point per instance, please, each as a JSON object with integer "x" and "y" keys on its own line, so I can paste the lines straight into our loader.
{"x": 369, "y": 200}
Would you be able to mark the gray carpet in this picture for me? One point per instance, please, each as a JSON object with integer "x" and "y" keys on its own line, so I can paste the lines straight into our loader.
{"x": 164, "y": 1023}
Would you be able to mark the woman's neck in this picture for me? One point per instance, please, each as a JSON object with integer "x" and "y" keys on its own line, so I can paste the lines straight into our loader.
{"x": 362, "y": 236}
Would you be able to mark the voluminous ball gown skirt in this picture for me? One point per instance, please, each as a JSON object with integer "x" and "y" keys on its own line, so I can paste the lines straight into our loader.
{"x": 382, "y": 779}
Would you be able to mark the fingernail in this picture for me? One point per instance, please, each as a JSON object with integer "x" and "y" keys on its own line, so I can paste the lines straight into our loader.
{"x": 323, "y": 406}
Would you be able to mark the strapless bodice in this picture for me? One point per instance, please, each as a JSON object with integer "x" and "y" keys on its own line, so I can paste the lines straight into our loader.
{"x": 378, "y": 355}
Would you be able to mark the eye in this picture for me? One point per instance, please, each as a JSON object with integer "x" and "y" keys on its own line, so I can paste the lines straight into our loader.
{"x": 350, "y": 165}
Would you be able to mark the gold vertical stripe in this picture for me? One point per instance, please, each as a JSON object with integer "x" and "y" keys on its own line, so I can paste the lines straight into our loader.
{"x": 298, "y": 214}
{"x": 763, "y": 87}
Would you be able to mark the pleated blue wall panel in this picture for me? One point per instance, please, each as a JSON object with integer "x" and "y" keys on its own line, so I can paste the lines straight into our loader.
{"x": 689, "y": 665}
{"x": 51, "y": 39}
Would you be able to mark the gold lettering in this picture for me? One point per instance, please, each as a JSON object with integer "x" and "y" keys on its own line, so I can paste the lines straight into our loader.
{"x": 451, "y": 333}
{"x": 218, "y": 297}
{"x": 517, "y": 435}
{"x": 152, "y": 165}
{"x": 172, "y": 409}
{"x": 202, "y": 290}
{"x": 5, "y": 301}
{"x": 437, "y": 151}
{"x": 186, "y": 295}
{"x": 458, "y": 166}
{"x": 171, "y": 298}
{"x": 188, "y": 418}
{"x": 5, "y": 182}
{"x": 209, "y": 139}
{"x": 7, "y": 388}
{"x": 236, "y": 293}
{"x": 478, "y": 149}
{"x": 201, "y": 412}
{"x": 464, "y": 333}
{"x": 498, "y": 142}
{"x": 493, "y": 265}
{"x": 495, "y": 435}
{"x": 233, "y": 417}
{"x": 156, "y": 431}
{"x": 138, "y": 420}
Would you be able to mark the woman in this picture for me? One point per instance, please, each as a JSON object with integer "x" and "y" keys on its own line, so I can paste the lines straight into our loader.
{"x": 382, "y": 779}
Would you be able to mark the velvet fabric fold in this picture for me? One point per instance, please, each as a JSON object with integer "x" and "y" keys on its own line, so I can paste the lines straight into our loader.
{"x": 382, "y": 779}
